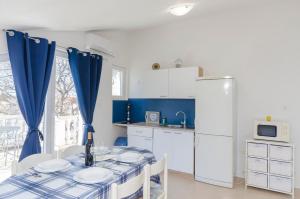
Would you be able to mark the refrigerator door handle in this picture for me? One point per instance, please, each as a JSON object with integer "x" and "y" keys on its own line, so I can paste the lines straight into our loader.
{"x": 196, "y": 123}
{"x": 197, "y": 140}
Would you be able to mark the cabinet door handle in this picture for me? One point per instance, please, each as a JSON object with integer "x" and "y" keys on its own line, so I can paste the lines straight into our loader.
{"x": 191, "y": 96}
{"x": 148, "y": 139}
{"x": 163, "y": 96}
{"x": 177, "y": 133}
{"x": 167, "y": 132}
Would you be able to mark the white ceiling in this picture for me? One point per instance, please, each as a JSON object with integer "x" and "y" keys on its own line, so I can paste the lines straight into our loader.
{"x": 87, "y": 15}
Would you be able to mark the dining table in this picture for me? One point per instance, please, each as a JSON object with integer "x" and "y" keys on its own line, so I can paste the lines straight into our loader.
{"x": 31, "y": 184}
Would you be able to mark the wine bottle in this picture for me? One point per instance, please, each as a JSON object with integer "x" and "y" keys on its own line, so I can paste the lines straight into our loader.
{"x": 89, "y": 159}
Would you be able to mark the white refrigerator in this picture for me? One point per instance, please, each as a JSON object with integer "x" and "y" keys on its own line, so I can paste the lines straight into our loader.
{"x": 215, "y": 130}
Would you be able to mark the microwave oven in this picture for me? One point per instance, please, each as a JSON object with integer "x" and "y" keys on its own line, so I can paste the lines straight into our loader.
{"x": 273, "y": 131}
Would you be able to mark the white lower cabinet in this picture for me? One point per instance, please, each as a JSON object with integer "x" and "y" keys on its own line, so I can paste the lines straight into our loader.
{"x": 258, "y": 179}
{"x": 281, "y": 168}
{"x": 141, "y": 142}
{"x": 178, "y": 145}
{"x": 257, "y": 150}
{"x": 257, "y": 164}
{"x": 270, "y": 165}
{"x": 279, "y": 152}
{"x": 140, "y": 137}
{"x": 281, "y": 184}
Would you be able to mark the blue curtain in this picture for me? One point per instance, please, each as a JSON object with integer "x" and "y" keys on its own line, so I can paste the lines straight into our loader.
{"x": 31, "y": 62}
{"x": 86, "y": 71}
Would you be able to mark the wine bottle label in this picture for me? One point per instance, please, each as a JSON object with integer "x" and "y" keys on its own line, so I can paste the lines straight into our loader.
{"x": 90, "y": 135}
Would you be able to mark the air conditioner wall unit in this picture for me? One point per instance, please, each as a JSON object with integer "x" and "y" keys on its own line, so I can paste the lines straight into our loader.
{"x": 98, "y": 43}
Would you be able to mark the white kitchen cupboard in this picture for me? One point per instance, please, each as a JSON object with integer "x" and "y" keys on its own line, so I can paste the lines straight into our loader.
{"x": 150, "y": 84}
{"x": 270, "y": 165}
{"x": 182, "y": 82}
{"x": 140, "y": 137}
{"x": 178, "y": 83}
{"x": 178, "y": 144}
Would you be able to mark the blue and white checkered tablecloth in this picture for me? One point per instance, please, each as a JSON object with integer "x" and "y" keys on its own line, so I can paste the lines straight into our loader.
{"x": 61, "y": 184}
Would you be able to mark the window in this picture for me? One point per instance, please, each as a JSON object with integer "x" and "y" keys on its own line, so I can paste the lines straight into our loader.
{"x": 118, "y": 82}
{"x": 61, "y": 124}
{"x": 68, "y": 123}
{"x": 13, "y": 128}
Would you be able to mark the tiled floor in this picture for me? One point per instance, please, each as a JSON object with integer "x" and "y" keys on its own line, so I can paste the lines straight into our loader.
{"x": 182, "y": 186}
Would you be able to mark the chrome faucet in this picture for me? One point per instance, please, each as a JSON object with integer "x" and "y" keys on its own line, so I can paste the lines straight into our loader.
{"x": 183, "y": 123}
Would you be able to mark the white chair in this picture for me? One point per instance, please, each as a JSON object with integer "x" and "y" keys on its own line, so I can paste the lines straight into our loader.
{"x": 158, "y": 191}
{"x": 133, "y": 185}
{"x": 30, "y": 161}
{"x": 71, "y": 150}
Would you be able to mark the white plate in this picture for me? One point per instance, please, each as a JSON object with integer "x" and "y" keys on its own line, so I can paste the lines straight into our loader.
{"x": 129, "y": 157}
{"x": 92, "y": 175}
{"x": 118, "y": 149}
{"x": 101, "y": 150}
{"x": 104, "y": 157}
{"x": 52, "y": 166}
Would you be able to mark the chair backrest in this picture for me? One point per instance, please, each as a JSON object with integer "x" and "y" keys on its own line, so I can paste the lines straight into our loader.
{"x": 161, "y": 168}
{"x": 30, "y": 161}
{"x": 71, "y": 150}
{"x": 133, "y": 185}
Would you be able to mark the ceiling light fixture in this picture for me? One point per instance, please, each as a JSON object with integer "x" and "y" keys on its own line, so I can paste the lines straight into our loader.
{"x": 181, "y": 9}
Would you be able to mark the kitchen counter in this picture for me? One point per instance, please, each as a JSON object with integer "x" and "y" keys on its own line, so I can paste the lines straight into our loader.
{"x": 144, "y": 124}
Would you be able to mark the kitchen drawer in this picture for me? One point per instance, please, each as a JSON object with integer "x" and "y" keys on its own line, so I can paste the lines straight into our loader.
{"x": 140, "y": 142}
{"x": 257, "y": 179}
{"x": 140, "y": 131}
{"x": 281, "y": 168}
{"x": 281, "y": 152}
{"x": 256, "y": 164}
{"x": 281, "y": 184}
{"x": 257, "y": 150}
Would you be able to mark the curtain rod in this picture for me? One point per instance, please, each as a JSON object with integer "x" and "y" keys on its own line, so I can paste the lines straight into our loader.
{"x": 63, "y": 48}
{"x": 89, "y": 49}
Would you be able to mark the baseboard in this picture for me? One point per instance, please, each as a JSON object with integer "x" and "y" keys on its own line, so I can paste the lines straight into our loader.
{"x": 214, "y": 182}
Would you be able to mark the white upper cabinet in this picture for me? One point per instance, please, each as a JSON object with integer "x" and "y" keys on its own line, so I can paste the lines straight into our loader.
{"x": 164, "y": 83}
{"x": 150, "y": 84}
{"x": 182, "y": 82}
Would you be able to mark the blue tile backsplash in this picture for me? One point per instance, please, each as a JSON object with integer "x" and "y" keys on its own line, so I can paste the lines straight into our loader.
{"x": 166, "y": 107}
{"x": 119, "y": 110}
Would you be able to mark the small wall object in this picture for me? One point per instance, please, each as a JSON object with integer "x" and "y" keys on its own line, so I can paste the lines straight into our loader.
{"x": 200, "y": 72}
{"x": 128, "y": 119}
{"x": 178, "y": 63}
{"x": 155, "y": 66}
{"x": 164, "y": 121}
{"x": 152, "y": 117}
{"x": 268, "y": 118}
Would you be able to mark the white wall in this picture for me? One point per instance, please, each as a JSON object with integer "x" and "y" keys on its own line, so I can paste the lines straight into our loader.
{"x": 105, "y": 132}
{"x": 258, "y": 45}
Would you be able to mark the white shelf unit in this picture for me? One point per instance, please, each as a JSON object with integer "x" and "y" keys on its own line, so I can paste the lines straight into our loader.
{"x": 270, "y": 166}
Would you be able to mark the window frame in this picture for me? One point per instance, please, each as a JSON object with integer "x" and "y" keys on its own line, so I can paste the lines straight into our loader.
{"x": 123, "y": 82}
{"x": 50, "y": 106}
{"x": 5, "y": 57}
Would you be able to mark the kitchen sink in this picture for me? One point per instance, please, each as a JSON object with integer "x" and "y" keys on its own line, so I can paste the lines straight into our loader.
{"x": 174, "y": 125}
